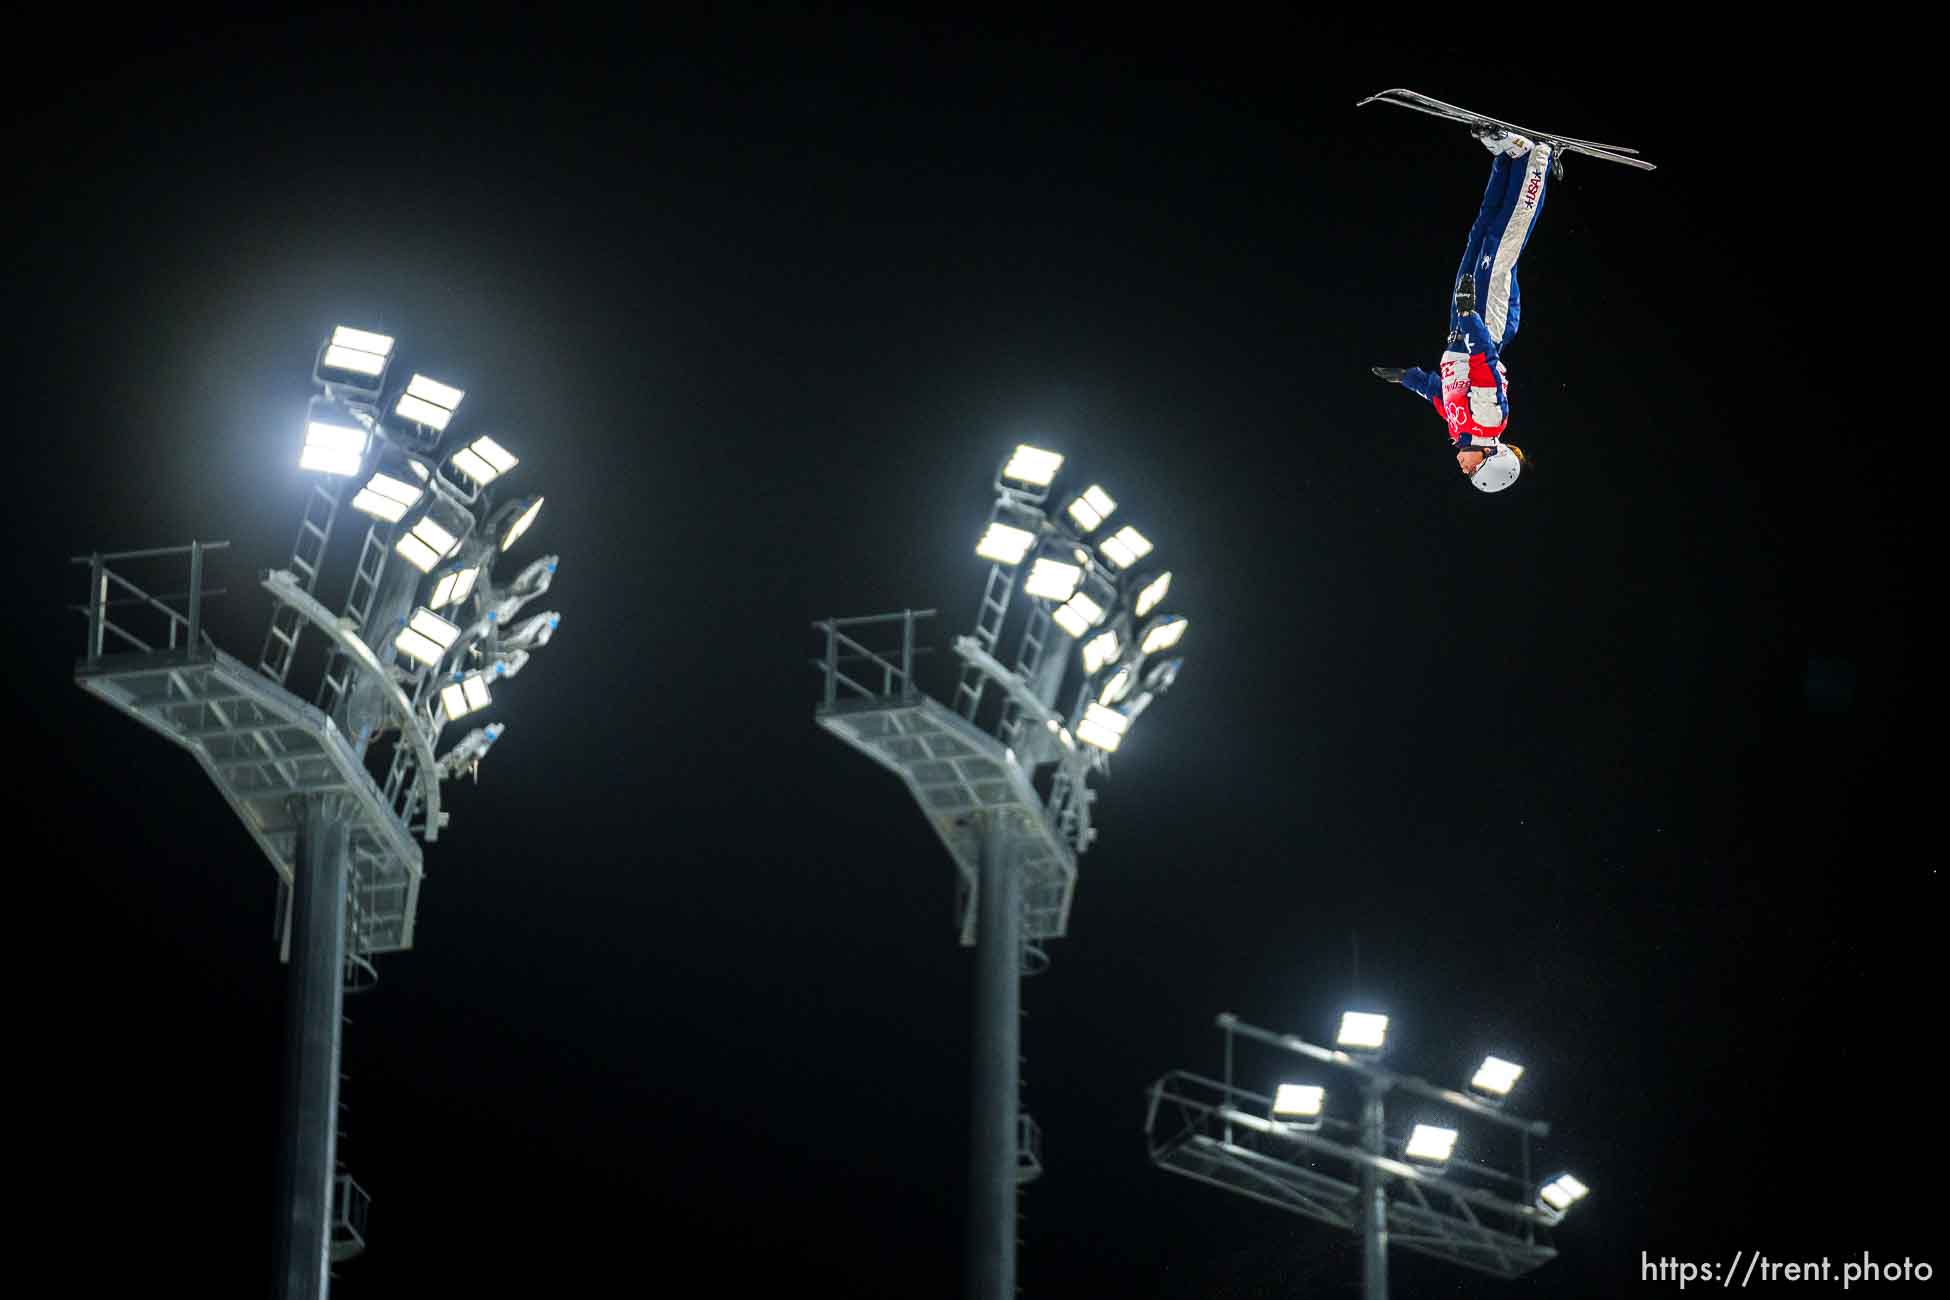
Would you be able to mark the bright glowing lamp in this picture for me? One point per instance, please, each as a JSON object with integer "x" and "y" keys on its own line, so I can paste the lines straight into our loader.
{"x": 1496, "y": 1076}
{"x": 428, "y": 402}
{"x": 1362, "y": 1030}
{"x": 435, "y": 535}
{"x": 1005, "y": 545}
{"x": 358, "y": 352}
{"x": 484, "y": 460}
{"x": 465, "y": 695}
{"x": 521, "y": 524}
{"x": 1430, "y": 1145}
{"x": 1125, "y": 547}
{"x": 1100, "y": 650}
{"x": 1102, "y": 727}
{"x": 454, "y": 586}
{"x": 1298, "y": 1101}
{"x": 1033, "y": 465}
{"x": 1092, "y": 508}
{"x": 1117, "y": 687}
{"x": 426, "y": 637}
{"x": 1561, "y": 1192}
{"x": 394, "y": 488}
{"x": 333, "y": 448}
{"x": 1079, "y": 615}
{"x": 1053, "y": 579}
{"x": 1148, "y": 599}
{"x": 1164, "y": 633}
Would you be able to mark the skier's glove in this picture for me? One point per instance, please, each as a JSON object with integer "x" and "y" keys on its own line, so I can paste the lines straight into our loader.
{"x": 1392, "y": 374}
{"x": 1466, "y": 294}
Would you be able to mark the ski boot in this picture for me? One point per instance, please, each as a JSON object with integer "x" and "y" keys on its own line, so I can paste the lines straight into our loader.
{"x": 1497, "y": 140}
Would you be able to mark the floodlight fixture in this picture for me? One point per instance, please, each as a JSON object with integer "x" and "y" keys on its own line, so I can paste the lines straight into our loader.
{"x": 1005, "y": 544}
{"x": 465, "y": 695}
{"x": 428, "y": 402}
{"x": 521, "y": 524}
{"x": 1102, "y": 727}
{"x": 1362, "y": 1031}
{"x": 1100, "y": 650}
{"x": 1116, "y": 687}
{"x": 333, "y": 448}
{"x": 1125, "y": 547}
{"x": 1033, "y": 465}
{"x": 426, "y": 637}
{"x": 359, "y": 352}
{"x": 1562, "y": 1192}
{"x": 531, "y": 632}
{"x": 484, "y": 460}
{"x": 1062, "y": 733}
{"x": 1159, "y": 677}
{"x": 1301, "y": 1101}
{"x": 1430, "y": 1145}
{"x": 435, "y": 535}
{"x": 454, "y": 586}
{"x": 1079, "y": 615}
{"x": 1053, "y": 579}
{"x": 1164, "y": 633}
{"x": 1152, "y": 594}
{"x": 1496, "y": 1076}
{"x": 388, "y": 494}
{"x": 1092, "y": 508}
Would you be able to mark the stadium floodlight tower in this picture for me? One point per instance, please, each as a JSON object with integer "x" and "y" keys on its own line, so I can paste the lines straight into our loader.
{"x": 1005, "y": 787}
{"x": 336, "y": 814}
{"x": 1415, "y": 1190}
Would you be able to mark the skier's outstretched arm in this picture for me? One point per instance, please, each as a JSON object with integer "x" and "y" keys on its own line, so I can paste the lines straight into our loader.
{"x": 1415, "y": 379}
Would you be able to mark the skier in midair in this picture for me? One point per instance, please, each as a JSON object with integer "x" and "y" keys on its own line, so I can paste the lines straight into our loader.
{"x": 1470, "y": 388}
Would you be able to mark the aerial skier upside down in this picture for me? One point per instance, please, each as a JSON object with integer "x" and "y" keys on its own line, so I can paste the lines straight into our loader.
{"x": 1470, "y": 389}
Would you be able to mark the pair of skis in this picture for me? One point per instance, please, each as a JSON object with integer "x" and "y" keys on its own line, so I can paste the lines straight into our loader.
{"x": 1409, "y": 99}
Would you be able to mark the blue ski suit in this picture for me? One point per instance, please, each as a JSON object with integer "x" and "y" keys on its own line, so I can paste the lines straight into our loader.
{"x": 1470, "y": 388}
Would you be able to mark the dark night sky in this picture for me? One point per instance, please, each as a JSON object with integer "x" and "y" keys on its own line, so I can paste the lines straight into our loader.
{"x": 1603, "y": 770}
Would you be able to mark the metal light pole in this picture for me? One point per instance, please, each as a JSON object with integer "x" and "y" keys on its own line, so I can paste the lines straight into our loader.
{"x": 1350, "y": 1173}
{"x": 975, "y": 773}
{"x": 339, "y": 836}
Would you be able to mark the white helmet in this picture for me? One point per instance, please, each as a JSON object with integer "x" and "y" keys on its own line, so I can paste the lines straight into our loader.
{"x": 1497, "y": 472}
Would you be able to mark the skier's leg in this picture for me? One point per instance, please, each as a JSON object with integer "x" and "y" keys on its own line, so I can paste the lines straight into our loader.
{"x": 1496, "y": 199}
{"x": 1503, "y": 244}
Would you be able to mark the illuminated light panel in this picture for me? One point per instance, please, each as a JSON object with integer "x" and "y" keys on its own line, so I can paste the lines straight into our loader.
{"x": 1164, "y": 634}
{"x": 1102, "y": 727}
{"x": 485, "y": 460}
{"x": 1430, "y": 1144}
{"x": 1298, "y": 1101}
{"x": 1033, "y": 465}
{"x": 426, "y": 636}
{"x": 1053, "y": 579}
{"x": 1496, "y": 1076}
{"x": 468, "y": 695}
{"x": 452, "y": 588}
{"x": 521, "y": 525}
{"x": 1562, "y": 1191}
{"x": 1100, "y": 650}
{"x": 426, "y": 544}
{"x": 333, "y": 448}
{"x": 1148, "y": 598}
{"x": 1005, "y": 545}
{"x": 388, "y": 498}
{"x": 360, "y": 351}
{"x": 1362, "y": 1029}
{"x": 1126, "y": 547}
{"x": 1062, "y": 733}
{"x": 1092, "y": 508}
{"x": 1116, "y": 688}
{"x": 1079, "y": 615}
{"x": 429, "y": 402}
